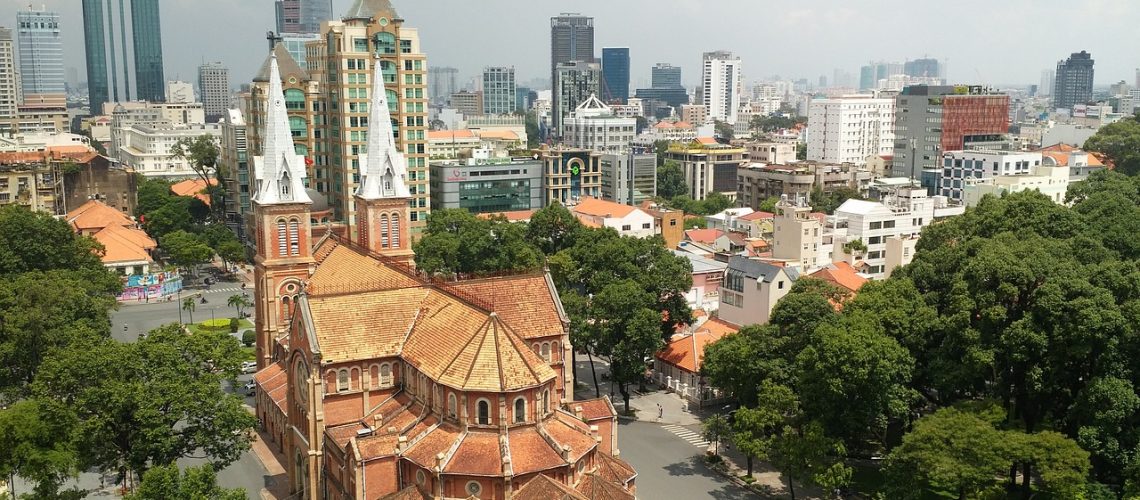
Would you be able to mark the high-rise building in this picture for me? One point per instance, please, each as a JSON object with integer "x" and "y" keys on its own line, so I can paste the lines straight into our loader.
{"x": 1074, "y": 81}
{"x": 574, "y": 82}
{"x": 214, "y": 87}
{"x": 926, "y": 67}
{"x": 722, "y": 83}
{"x": 850, "y": 129}
{"x": 302, "y": 16}
{"x": 867, "y": 78}
{"x": 9, "y": 80}
{"x": 40, "y": 50}
{"x": 931, "y": 119}
{"x": 442, "y": 82}
{"x": 295, "y": 44}
{"x": 179, "y": 92}
{"x": 571, "y": 40}
{"x": 499, "y": 90}
{"x": 593, "y": 126}
{"x": 105, "y": 41}
{"x": 1047, "y": 80}
{"x": 615, "y": 74}
{"x": 467, "y": 103}
{"x": 665, "y": 76}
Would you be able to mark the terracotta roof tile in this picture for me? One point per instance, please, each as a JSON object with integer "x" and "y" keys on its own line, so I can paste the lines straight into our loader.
{"x": 381, "y": 445}
{"x": 95, "y": 215}
{"x": 193, "y": 187}
{"x": 345, "y": 270}
{"x": 477, "y": 455}
{"x": 409, "y": 493}
{"x": 596, "y": 487}
{"x": 687, "y": 352}
{"x": 124, "y": 244}
{"x": 513, "y": 215}
{"x": 758, "y": 216}
{"x": 273, "y": 382}
{"x": 594, "y": 409}
{"x": 842, "y": 274}
{"x": 525, "y": 303}
{"x": 424, "y": 451}
{"x": 706, "y": 236}
{"x": 324, "y": 248}
{"x": 342, "y": 434}
{"x": 448, "y": 135}
{"x": 601, "y": 208}
{"x": 567, "y": 430}
{"x": 530, "y": 452}
{"x": 614, "y": 469}
{"x": 364, "y": 325}
{"x": 542, "y": 487}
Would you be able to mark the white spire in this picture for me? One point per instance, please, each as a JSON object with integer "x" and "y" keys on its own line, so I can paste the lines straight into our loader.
{"x": 383, "y": 169}
{"x": 279, "y": 171}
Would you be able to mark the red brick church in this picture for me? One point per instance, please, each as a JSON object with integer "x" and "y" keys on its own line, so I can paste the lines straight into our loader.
{"x": 376, "y": 381}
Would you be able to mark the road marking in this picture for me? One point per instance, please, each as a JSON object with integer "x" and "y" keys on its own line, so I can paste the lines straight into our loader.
{"x": 213, "y": 290}
{"x": 687, "y": 435}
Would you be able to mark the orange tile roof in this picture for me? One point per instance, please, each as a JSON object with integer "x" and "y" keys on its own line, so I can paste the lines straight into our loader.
{"x": 706, "y": 236}
{"x": 587, "y": 221}
{"x": 446, "y": 135}
{"x": 345, "y": 270}
{"x": 663, "y": 125}
{"x": 602, "y": 208}
{"x": 614, "y": 469}
{"x": 512, "y": 216}
{"x": 95, "y": 215}
{"x": 424, "y": 451}
{"x": 272, "y": 381}
{"x": 506, "y": 135}
{"x": 688, "y": 352}
{"x": 343, "y": 434}
{"x": 477, "y": 455}
{"x": 594, "y": 409}
{"x": 191, "y": 187}
{"x": 382, "y": 445}
{"x": 842, "y": 274}
{"x": 708, "y": 141}
{"x": 409, "y": 493}
{"x": 525, "y": 302}
{"x": 124, "y": 244}
{"x": 542, "y": 487}
{"x": 69, "y": 149}
{"x": 530, "y": 452}
{"x": 364, "y": 325}
{"x": 682, "y": 124}
{"x": 596, "y": 487}
{"x": 568, "y": 430}
{"x": 758, "y": 216}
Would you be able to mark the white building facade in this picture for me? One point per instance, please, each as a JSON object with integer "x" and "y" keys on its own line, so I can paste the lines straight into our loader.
{"x": 146, "y": 148}
{"x": 885, "y": 231}
{"x": 723, "y": 84}
{"x": 960, "y": 167}
{"x": 593, "y": 126}
{"x": 850, "y": 129}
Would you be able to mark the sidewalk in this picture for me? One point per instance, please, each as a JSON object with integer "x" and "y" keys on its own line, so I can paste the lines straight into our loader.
{"x": 278, "y": 484}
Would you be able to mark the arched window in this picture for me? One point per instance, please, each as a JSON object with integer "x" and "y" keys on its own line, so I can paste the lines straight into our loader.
{"x": 546, "y": 351}
{"x": 520, "y": 410}
{"x": 342, "y": 380}
{"x": 294, "y": 238}
{"x": 388, "y": 68}
{"x": 385, "y": 375}
{"x": 374, "y": 375}
{"x": 546, "y": 401}
{"x": 390, "y": 96}
{"x": 294, "y": 100}
{"x": 483, "y": 412}
{"x": 297, "y": 127}
{"x": 282, "y": 238}
{"x": 396, "y": 230}
{"x": 385, "y": 43}
{"x": 285, "y": 184}
{"x": 451, "y": 405}
{"x": 383, "y": 230}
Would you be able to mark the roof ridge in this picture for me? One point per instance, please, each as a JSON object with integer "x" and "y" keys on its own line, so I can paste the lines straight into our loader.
{"x": 420, "y": 437}
{"x": 455, "y": 359}
{"x": 493, "y": 318}
{"x": 450, "y": 453}
{"x": 515, "y": 340}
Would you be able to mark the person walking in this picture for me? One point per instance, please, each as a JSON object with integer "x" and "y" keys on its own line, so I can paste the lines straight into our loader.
{"x": 660, "y": 412}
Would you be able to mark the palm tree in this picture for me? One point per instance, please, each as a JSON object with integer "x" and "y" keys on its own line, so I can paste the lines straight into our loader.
{"x": 238, "y": 301}
{"x": 188, "y": 305}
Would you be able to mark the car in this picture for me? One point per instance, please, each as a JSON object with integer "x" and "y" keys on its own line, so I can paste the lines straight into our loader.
{"x": 249, "y": 387}
{"x": 248, "y": 366}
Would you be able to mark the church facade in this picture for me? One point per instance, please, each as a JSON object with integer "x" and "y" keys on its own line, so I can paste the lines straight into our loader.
{"x": 376, "y": 381}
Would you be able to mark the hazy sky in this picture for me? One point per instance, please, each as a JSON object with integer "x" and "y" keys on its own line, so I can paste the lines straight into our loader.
{"x": 982, "y": 41}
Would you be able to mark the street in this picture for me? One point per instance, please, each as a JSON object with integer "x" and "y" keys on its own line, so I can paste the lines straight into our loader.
{"x": 668, "y": 467}
{"x": 142, "y": 317}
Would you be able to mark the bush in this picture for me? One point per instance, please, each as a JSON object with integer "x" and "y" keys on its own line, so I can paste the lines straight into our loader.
{"x": 234, "y": 323}
{"x": 248, "y": 338}
{"x": 215, "y": 323}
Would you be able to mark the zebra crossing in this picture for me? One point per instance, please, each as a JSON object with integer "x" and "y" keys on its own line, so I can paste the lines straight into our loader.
{"x": 227, "y": 289}
{"x": 687, "y": 435}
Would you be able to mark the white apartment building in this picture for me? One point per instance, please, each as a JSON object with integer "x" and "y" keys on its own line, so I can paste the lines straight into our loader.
{"x": 960, "y": 167}
{"x": 627, "y": 220}
{"x": 214, "y": 85}
{"x": 851, "y": 128}
{"x": 723, "y": 84}
{"x": 146, "y": 148}
{"x": 797, "y": 236}
{"x": 1052, "y": 181}
{"x": 594, "y": 126}
{"x": 888, "y": 230}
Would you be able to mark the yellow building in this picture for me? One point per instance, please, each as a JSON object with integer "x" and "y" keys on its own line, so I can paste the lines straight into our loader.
{"x": 570, "y": 174}
{"x": 709, "y": 166}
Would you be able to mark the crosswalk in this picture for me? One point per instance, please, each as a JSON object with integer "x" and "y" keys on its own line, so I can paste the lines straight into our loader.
{"x": 687, "y": 435}
{"x": 229, "y": 289}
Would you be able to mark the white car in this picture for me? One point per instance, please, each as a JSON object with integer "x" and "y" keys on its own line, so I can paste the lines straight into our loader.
{"x": 249, "y": 386}
{"x": 248, "y": 366}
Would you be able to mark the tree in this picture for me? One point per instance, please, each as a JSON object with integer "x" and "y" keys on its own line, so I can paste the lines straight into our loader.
{"x": 201, "y": 153}
{"x": 240, "y": 302}
{"x": 810, "y": 456}
{"x": 628, "y": 331}
{"x": 724, "y": 130}
{"x": 715, "y": 203}
{"x": 532, "y": 130}
{"x": 36, "y": 241}
{"x": 456, "y": 241}
{"x": 231, "y": 252}
{"x": 715, "y": 428}
{"x": 188, "y": 305}
{"x": 671, "y": 180}
{"x": 740, "y": 362}
{"x": 553, "y": 228}
{"x": 772, "y": 123}
{"x": 150, "y": 402}
{"x": 199, "y": 483}
{"x": 36, "y": 446}
{"x": 769, "y": 204}
{"x": 186, "y": 249}
{"x": 1120, "y": 142}
{"x": 801, "y": 150}
{"x": 754, "y": 430}
{"x": 660, "y": 147}
{"x": 1061, "y": 464}
{"x": 248, "y": 338}
{"x": 950, "y": 450}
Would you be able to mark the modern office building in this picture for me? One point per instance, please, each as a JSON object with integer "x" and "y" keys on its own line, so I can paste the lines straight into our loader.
{"x": 40, "y": 50}
{"x": 722, "y": 83}
{"x": 573, "y": 83}
{"x": 593, "y": 126}
{"x": 665, "y": 90}
{"x": 442, "y": 82}
{"x": 615, "y": 74}
{"x": 1073, "y": 82}
{"x": 10, "y": 94}
{"x": 487, "y": 185}
{"x": 925, "y": 68}
{"x": 214, "y": 87}
{"x": 665, "y": 76}
{"x": 467, "y": 103}
{"x": 961, "y": 167}
{"x": 569, "y": 175}
{"x": 234, "y": 158}
{"x": 302, "y": 16}
{"x": 571, "y": 41}
{"x": 295, "y": 44}
{"x": 850, "y": 129}
{"x": 931, "y": 119}
{"x": 709, "y": 166}
{"x": 499, "y": 90}
{"x": 104, "y": 37}
{"x": 629, "y": 178}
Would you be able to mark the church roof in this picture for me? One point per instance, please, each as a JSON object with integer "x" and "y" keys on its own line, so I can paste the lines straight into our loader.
{"x": 542, "y": 487}
{"x": 367, "y": 9}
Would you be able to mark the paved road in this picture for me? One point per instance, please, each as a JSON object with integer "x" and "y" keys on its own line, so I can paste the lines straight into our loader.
{"x": 143, "y": 317}
{"x": 669, "y": 467}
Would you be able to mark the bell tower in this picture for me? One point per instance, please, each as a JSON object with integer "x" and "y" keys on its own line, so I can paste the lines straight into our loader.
{"x": 382, "y": 198}
{"x": 283, "y": 232}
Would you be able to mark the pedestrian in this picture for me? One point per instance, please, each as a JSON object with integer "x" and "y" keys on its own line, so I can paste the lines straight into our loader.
{"x": 660, "y": 411}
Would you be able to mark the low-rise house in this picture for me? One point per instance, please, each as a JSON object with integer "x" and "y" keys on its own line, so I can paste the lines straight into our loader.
{"x": 625, "y": 219}
{"x": 751, "y": 289}
{"x": 708, "y": 274}
{"x": 844, "y": 277}
{"x": 678, "y": 365}
{"x": 127, "y": 249}
{"x": 195, "y": 187}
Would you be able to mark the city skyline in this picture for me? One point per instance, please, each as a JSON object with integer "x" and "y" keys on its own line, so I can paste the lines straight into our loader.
{"x": 812, "y": 29}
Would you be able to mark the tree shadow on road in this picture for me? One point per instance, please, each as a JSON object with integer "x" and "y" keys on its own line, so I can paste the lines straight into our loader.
{"x": 692, "y": 466}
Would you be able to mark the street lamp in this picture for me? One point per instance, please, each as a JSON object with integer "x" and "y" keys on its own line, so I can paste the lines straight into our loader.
{"x": 179, "y": 306}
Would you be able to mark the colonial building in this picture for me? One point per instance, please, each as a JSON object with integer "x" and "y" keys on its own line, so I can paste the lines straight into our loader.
{"x": 376, "y": 380}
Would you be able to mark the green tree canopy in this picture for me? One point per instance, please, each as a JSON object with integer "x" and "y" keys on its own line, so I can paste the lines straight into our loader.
{"x": 1120, "y": 142}
{"x": 199, "y": 483}
{"x": 671, "y": 180}
{"x": 457, "y": 241}
{"x": 186, "y": 249}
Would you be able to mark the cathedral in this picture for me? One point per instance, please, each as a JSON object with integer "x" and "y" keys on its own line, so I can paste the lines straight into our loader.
{"x": 376, "y": 381}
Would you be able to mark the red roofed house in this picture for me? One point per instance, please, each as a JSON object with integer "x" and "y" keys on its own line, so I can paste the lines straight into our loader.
{"x": 627, "y": 220}
{"x": 193, "y": 187}
{"x": 127, "y": 249}
{"x": 843, "y": 276}
{"x": 678, "y": 365}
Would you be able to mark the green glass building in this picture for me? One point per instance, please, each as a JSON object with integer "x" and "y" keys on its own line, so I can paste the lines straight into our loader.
{"x": 104, "y": 39}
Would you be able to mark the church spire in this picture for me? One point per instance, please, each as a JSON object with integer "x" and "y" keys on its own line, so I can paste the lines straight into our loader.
{"x": 280, "y": 171}
{"x": 382, "y": 169}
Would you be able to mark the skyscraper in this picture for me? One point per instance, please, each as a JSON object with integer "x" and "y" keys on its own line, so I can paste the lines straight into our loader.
{"x": 615, "y": 74}
{"x": 302, "y": 16}
{"x": 101, "y": 31}
{"x": 499, "y": 90}
{"x": 573, "y": 83}
{"x": 665, "y": 76}
{"x": 1074, "y": 81}
{"x": 1047, "y": 80}
{"x": 40, "y": 49}
{"x": 571, "y": 39}
{"x": 722, "y": 83}
{"x": 214, "y": 87}
{"x": 442, "y": 82}
{"x": 926, "y": 67}
{"x": 9, "y": 80}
